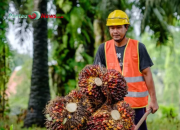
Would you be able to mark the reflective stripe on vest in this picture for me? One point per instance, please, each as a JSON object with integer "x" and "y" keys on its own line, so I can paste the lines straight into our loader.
{"x": 134, "y": 79}
{"x": 137, "y": 94}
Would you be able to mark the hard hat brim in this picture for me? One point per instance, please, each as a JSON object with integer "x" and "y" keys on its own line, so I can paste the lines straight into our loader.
{"x": 117, "y": 21}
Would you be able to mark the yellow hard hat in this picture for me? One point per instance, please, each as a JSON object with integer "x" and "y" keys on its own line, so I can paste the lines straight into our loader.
{"x": 117, "y": 17}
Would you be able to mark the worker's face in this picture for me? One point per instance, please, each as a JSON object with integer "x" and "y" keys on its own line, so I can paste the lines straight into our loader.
{"x": 118, "y": 32}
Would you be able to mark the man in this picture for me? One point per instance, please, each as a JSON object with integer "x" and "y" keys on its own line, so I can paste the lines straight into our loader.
{"x": 132, "y": 60}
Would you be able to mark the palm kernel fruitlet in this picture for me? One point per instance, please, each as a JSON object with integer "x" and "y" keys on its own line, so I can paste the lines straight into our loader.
{"x": 90, "y": 83}
{"x": 115, "y": 86}
{"x": 68, "y": 113}
{"x": 119, "y": 116}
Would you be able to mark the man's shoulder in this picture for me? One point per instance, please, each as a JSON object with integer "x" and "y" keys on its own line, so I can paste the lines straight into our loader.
{"x": 141, "y": 46}
{"x": 101, "y": 47}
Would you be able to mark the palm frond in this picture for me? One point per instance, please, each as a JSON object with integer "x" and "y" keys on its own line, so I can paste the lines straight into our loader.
{"x": 158, "y": 17}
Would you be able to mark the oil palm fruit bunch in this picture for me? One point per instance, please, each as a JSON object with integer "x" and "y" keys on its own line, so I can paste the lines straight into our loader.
{"x": 68, "y": 113}
{"x": 115, "y": 86}
{"x": 90, "y": 83}
{"x": 119, "y": 116}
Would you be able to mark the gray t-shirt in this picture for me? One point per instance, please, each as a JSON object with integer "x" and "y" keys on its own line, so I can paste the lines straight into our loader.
{"x": 145, "y": 60}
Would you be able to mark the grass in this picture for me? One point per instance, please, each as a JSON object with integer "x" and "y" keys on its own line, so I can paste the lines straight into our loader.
{"x": 11, "y": 123}
{"x": 164, "y": 124}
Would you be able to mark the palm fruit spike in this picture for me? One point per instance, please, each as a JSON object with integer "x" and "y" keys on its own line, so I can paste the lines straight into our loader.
{"x": 68, "y": 113}
{"x": 119, "y": 116}
{"x": 90, "y": 83}
{"x": 115, "y": 86}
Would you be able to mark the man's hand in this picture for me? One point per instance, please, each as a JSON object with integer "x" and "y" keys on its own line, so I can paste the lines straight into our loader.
{"x": 153, "y": 106}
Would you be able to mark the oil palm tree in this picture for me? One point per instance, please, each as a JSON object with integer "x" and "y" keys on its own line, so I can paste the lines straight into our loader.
{"x": 159, "y": 16}
{"x": 39, "y": 92}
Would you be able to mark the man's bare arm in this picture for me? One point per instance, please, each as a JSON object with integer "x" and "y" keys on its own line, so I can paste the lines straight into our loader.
{"x": 151, "y": 89}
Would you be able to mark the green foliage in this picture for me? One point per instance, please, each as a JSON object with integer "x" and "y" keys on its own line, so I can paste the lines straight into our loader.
{"x": 68, "y": 43}
{"x": 12, "y": 124}
{"x": 65, "y": 5}
{"x": 168, "y": 112}
{"x": 18, "y": 59}
{"x": 159, "y": 18}
{"x": 4, "y": 60}
{"x": 24, "y": 7}
{"x": 165, "y": 69}
{"x": 11, "y": 127}
{"x": 172, "y": 63}
{"x": 22, "y": 79}
{"x": 163, "y": 124}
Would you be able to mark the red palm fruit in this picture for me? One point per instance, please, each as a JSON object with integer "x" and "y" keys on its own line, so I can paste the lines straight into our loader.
{"x": 115, "y": 86}
{"x": 68, "y": 113}
{"x": 90, "y": 83}
{"x": 114, "y": 118}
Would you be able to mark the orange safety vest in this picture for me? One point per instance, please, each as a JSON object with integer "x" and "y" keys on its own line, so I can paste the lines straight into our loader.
{"x": 137, "y": 95}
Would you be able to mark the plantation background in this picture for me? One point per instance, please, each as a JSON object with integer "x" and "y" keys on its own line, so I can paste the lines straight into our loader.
{"x": 56, "y": 50}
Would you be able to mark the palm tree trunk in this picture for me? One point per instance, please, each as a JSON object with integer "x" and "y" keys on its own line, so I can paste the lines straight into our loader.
{"x": 39, "y": 93}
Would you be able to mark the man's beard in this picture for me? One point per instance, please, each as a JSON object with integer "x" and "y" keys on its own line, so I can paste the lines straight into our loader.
{"x": 119, "y": 40}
